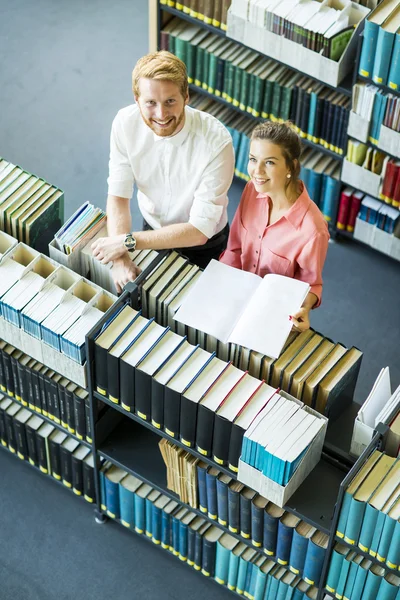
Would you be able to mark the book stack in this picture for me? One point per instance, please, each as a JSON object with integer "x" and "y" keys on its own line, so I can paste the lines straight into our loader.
{"x": 349, "y": 208}
{"x": 259, "y": 86}
{"x": 40, "y": 389}
{"x": 354, "y": 576}
{"x": 195, "y": 540}
{"x": 82, "y": 225}
{"x": 376, "y": 108}
{"x": 31, "y": 210}
{"x": 181, "y": 471}
{"x": 48, "y": 448}
{"x": 380, "y": 53}
{"x": 211, "y": 12}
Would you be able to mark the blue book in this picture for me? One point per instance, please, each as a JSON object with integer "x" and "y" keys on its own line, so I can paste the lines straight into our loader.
{"x": 156, "y": 518}
{"x": 211, "y": 490}
{"x": 176, "y": 518}
{"x": 140, "y": 507}
{"x": 304, "y": 175}
{"x": 245, "y": 499}
{"x": 112, "y": 477}
{"x": 373, "y": 548}
{"x": 253, "y": 578}
{"x": 344, "y": 571}
{"x": 286, "y": 526}
{"x": 234, "y": 490}
{"x": 127, "y": 488}
{"x": 393, "y": 555}
{"x": 351, "y": 577}
{"x": 222, "y": 498}
{"x": 339, "y": 553}
{"x": 202, "y": 488}
{"x": 315, "y": 557}
{"x": 102, "y": 478}
{"x": 198, "y": 548}
{"x": 371, "y": 30}
{"x": 368, "y": 527}
{"x": 272, "y": 514}
{"x": 312, "y": 116}
{"x": 298, "y": 551}
{"x": 166, "y": 519}
{"x": 384, "y": 47}
{"x": 260, "y": 585}
{"x": 388, "y": 588}
{"x": 360, "y": 579}
{"x": 386, "y": 538}
{"x": 209, "y": 550}
{"x": 375, "y": 127}
{"x": 233, "y": 569}
{"x": 300, "y": 591}
{"x": 330, "y": 197}
{"x": 249, "y": 572}
{"x": 244, "y": 560}
{"x": 285, "y": 585}
{"x": 258, "y": 505}
{"x": 225, "y": 546}
{"x": 183, "y": 535}
{"x": 373, "y": 582}
{"x": 394, "y": 70}
{"x": 314, "y": 186}
{"x": 275, "y": 579}
{"x": 379, "y": 543}
{"x": 150, "y": 499}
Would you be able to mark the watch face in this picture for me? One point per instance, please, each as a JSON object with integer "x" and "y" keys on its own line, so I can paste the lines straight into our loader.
{"x": 130, "y": 242}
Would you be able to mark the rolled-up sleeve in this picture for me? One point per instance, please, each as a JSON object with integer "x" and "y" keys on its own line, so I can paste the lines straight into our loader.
{"x": 211, "y": 196}
{"x": 120, "y": 180}
{"x": 311, "y": 262}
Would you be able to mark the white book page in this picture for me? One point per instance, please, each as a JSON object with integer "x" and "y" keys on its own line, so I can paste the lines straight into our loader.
{"x": 215, "y": 302}
{"x": 377, "y": 398}
{"x": 264, "y": 325}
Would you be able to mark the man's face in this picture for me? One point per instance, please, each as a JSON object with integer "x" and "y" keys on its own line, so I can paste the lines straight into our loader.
{"x": 162, "y": 106}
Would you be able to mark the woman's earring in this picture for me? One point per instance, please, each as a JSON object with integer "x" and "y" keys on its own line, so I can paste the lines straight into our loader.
{"x": 288, "y": 175}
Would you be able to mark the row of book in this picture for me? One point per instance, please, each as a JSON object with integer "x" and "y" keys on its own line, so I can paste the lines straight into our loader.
{"x": 47, "y": 393}
{"x": 380, "y": 52}
{"x": 31, "y": 209}
{"x": 352, "y": 576}
{"x": 52, "y": 451}
{"x": 259, "y": 86}
{"x": 304, "y": 367}
{"x": 380, "y": 215}
{"x": 49, "y": 302}
{"x": 325, "y": 29}
{"x": 211, "y": 12}
{"x": 349, "y": 208}
{"x": 370, "y": 513}
{"x": 377, "y": 107}
{"x": 195, "y": 540}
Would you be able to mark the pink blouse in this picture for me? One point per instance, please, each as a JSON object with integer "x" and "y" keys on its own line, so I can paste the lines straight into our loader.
{"x": 295, "y": 246}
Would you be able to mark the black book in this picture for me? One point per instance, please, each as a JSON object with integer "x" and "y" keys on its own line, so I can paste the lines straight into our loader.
{"x": 178, "y": 384}
{"x": 233, "y": 404}
{"x": 20, "y": 433}
{"x": 198, "y": 545}
{"x": 14, "y": 358}
{"x": 162, "y": 376}
{"x": 54, "y": 381}
{"x": 31, "y": 428}
{"x": 77, "y": 468}
{"x": 154, "y": 360}
{"x": 4, "y": 404}
{"x": 106, "y": 338}
{"x": 245, "y": 499}
{"x": 210, "y": 404}
{"x": 36, "y": 386}
{"x": 318, "y": 115}
{"x": 3, "y": 387}
{"x": 258, "y": 505}
{"x": 210, "y": 539}
{"x": 49, "y": 394}
{"x": 324, "y": 120}
{"x": 10, "y": 415}
{"x": 7, "y": 351}
{"x": 305, "y": 113}
{"x": 234, "y": 489}
{"x": 88, "y": 422}
{"x": 69, "y": 404}
{"x": 193, "y": 395}
{"x": 191, "y": 539}
{"x": 67, "y": 447}
{"x": 62, "y": 384}
{"x": 56, "y": 438}
{"x": 79, "y": 397}
{"x": 331, "y": 124}
{"x": 43, "y": 374}
{"x": 88, "y": 479}
{"x": 42, "y": 444}
{"x": 28, "y": 389}
{"x": 143, "y": 342}
{"x": 293, "y": 104}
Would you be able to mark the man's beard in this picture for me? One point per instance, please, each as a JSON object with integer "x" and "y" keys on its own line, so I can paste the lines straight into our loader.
{"x": 164, "y": 131}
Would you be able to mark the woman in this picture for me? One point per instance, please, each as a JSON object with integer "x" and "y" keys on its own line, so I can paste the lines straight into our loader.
{"x": 277, "y": 228}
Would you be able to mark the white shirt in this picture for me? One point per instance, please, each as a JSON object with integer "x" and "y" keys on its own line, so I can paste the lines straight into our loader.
{"x": 183, "y": 178}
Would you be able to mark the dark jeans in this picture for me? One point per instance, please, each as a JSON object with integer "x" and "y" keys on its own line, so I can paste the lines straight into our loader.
{"x": 201, "y": 255}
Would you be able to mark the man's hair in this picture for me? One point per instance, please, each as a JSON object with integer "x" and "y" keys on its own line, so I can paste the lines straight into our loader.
{"x": 283, "y": 135}
{"x": 160, "y": 65}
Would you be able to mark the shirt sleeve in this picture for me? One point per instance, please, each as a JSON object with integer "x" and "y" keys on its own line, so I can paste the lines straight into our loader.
{"x": 120, "y": 180}
{"x": 311, "y": 262}
{"x": 211, "y": 196}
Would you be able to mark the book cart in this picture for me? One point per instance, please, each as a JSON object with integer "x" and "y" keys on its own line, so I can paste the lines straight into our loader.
{"x": 160, "y": 12}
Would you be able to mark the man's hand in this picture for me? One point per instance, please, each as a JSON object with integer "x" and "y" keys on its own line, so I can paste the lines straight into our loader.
{"x": 301, "y": 319}
{"x": 109, "y": 249}
{"x": 124, "y": 270}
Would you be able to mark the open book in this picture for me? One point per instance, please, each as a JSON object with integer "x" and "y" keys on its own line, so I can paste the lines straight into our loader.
{"x": 243, "y": 308}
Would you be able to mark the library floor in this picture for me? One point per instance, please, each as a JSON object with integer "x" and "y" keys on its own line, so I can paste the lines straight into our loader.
{"x": 67, "y": 74}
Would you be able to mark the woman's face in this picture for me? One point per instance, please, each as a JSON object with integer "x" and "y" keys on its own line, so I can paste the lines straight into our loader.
{"x": 267, "y": 167}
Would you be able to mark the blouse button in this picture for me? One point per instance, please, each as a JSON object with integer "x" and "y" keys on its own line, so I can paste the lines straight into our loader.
{"x": 256, "y": 251}
{"x": 259, "y": 237}
{"x": 254, "y": 266}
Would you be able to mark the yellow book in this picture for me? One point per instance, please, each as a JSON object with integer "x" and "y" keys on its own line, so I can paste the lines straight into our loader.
{"x": 300, "y": 377}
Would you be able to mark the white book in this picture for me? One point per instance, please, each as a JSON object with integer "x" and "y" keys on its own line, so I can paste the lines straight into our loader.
{"x": 285, "y": 433}
{"x": 304, "y": 440}
{"x": 174, "y": 363}
{"x": 244, "y": 308}
{"x": 283, "y": 410}
{"x": 205, "y": 380}
{"x": 393, "y": 402}
{"x": 258, "y": 402}
{"x": 264, "y": 414}
{"x": 238, "y": 397}
{"x": 224, "y": 384}
{"x": 165, "y": 347}
{"x": 134, "y": 330}
{"x": 377, "y": 398}
{"x": 183, "y": 378}
{"x": 143, "y": 344}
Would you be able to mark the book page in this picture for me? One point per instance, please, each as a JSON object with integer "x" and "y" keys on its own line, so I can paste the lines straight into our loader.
{"x": 264, "y": 325}
{"x": 216, "y": 301}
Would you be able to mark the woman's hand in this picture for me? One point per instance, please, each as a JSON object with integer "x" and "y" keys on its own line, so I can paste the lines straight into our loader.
{"x": 107, "y": 249}
{"x": 301, "y": 319}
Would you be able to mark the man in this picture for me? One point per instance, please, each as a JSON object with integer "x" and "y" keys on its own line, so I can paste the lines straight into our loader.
{"x": 182, "y": 162}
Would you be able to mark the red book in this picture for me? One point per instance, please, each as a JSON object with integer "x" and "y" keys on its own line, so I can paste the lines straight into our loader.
{"x": 344, "y": 207}
{"x": 355, "y": 204}
{"x": 396, "y": 195}
{"x": 389, "y": 181}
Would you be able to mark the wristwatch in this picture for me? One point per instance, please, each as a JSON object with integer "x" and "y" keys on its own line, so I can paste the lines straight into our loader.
{"x": 130, "y": 242}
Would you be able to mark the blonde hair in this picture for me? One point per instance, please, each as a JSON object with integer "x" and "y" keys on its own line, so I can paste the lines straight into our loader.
{"x": 161, "y": 65}
{"x": 283, "y": 135}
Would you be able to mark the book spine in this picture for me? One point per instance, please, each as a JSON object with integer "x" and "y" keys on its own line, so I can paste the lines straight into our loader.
{"x": 172, "y": 407}
{"x": 42, "y": 454}
{"x": 20, "y": 439}
{"x": 31, "y": 445}
{"x": 202, "y": 488}
{"x": 211, "y": 488}
{"x": 143, "y": 395}
{"x": 127, "y": 386}
{"x": 88, "y": 483}
{"x": 257, "y": 525}
{"x": 77, "y": 476}
{"x": 11, "y": 438}
{"x": 165, "y": 531}
{"x": 126, "y": 506}
{"x": 245, "y": 516}
{"x": 149, "y": 518}
{"x": 233, "y": 511}
{"x": 284, "y": 543}
{"x": 112, "y": 498}
{"x": 55, "y": 461}
{"x": 113, "y": 379}
{"x": 79, "y": 417}
{"x": 208, "y": 558}
{"x": 204, "y": 430}
{"x": 66, "y": 467}
{"x": 156, "y": 525}
{"x": 313, "y": 563}
{"x": 69, "y": 404}
{"x": 222, "y": 502}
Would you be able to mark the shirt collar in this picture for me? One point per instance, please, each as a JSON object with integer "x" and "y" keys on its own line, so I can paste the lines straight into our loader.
{"x": 297, "y": 211}
{"x": 179, "y": 138}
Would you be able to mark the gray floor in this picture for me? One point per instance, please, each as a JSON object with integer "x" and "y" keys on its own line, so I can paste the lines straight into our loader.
{"x": 65, "y": 71}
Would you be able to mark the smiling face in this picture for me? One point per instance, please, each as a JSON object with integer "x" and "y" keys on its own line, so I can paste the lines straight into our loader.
{"x": 162, "y": 106}
{"x": 267, "y": 167}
